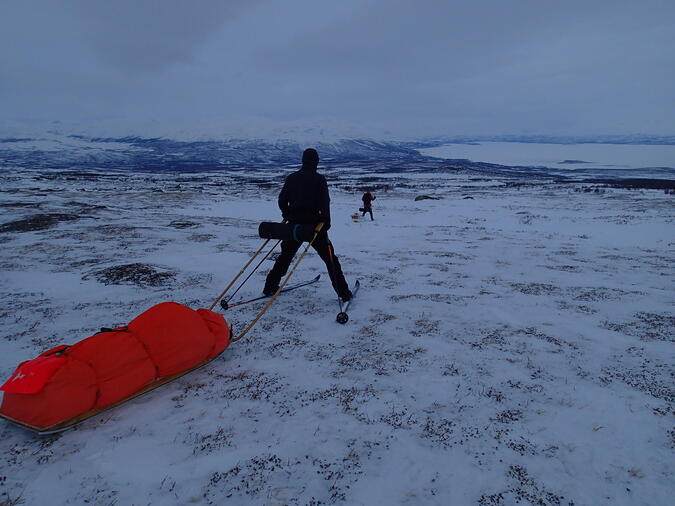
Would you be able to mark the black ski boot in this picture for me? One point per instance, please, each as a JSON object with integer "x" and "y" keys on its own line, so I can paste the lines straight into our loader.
{"x": 346, "y": 296}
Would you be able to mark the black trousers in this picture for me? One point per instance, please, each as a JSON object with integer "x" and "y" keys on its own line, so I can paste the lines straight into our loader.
{"x": 324, "y": 248}
{"x": 368, "y": 210}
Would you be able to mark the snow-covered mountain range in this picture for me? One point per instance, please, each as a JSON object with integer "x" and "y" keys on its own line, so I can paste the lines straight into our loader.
{"x": 161, "y": 154}
{"x": 54, "y": 150}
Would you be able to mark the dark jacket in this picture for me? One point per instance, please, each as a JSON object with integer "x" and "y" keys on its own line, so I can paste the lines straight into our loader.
{"x": 304, "y": 197}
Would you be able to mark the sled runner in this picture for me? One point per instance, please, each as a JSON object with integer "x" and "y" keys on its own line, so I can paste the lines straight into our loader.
{"x": 72, "y": 422}
{"x": 68, "y": 384}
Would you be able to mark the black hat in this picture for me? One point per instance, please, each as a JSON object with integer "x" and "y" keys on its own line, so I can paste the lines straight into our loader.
{"x": 310, "y": 157}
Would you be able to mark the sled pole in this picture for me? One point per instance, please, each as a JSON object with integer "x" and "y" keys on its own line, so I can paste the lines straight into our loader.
{"x": 239, "y": 274}
{"x": 224, "y": 303}
{"x": 222, "y": 294}
{"x": 281, "y": 287}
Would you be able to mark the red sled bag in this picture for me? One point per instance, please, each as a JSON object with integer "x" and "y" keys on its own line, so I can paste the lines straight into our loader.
{"x": 68, "y": 384}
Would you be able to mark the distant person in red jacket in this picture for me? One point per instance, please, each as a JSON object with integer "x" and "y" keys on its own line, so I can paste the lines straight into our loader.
{"x": 367, "y": 204}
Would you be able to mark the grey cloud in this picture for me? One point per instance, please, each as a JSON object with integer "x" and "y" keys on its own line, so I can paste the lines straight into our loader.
{"x": 432, "y": 37}
{"x": 418, "y": 67}
{"x": 150, "y": 35}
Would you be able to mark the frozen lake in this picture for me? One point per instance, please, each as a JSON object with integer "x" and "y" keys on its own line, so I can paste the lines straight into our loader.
{"x": 562, "y": 156}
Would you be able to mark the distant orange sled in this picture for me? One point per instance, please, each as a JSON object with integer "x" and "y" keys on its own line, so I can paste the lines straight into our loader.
{"x": 68, "y": 384}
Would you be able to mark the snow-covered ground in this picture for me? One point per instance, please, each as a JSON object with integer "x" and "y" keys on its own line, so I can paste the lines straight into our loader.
{"x": 509, "y": 344}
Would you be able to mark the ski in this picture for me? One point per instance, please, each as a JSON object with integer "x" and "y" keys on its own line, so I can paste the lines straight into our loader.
{"x": 226, "y": 305}
{"x": 342, "y": 316}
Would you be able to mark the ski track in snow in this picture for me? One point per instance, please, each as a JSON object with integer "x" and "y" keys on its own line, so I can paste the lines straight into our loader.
{"x": 513, "y": 347}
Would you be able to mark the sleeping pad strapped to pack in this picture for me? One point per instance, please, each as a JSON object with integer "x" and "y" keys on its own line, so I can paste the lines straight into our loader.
{"x": 106, "y": 368}
{"x": 286, "y": 231}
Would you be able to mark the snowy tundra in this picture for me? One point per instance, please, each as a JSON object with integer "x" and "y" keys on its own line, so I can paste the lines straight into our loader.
{"x": 511, "y": 343}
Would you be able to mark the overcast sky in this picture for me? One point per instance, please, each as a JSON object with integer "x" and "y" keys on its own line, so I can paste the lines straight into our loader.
{"x": 411, "y": 67}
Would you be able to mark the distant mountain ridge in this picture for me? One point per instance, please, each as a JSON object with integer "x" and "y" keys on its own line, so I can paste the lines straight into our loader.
{"x": 134, "y": 153}
{"x": 160, "y": 154}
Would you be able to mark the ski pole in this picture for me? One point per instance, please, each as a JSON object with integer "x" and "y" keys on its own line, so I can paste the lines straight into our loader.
{"x": 239, "y": 274}
{"x": 317, "y": 229}
{"x": 222, "y": 294}
{"x": 332, "y": 271}
{"x": 224, "y": 303}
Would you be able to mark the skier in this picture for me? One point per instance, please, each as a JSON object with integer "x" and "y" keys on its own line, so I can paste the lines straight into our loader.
{"x": 304, "y": 199}
{"x": 367, "y": 206}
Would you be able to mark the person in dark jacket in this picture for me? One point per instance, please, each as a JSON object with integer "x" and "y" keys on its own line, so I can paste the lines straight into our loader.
{"x": 304, "y": 199}
{"x": 367, "y": 204}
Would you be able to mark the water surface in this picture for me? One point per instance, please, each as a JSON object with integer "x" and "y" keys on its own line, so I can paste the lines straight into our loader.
{"x": 560, "y": 156}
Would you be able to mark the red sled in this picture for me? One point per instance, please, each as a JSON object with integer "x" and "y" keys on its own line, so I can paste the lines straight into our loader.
{"x": 68, "y": 384}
